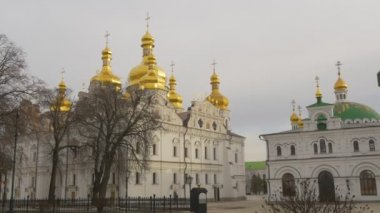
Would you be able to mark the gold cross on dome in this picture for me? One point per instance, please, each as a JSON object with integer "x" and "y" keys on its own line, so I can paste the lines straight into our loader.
{"x": 172, "y": 65}
{"x": 62, "y": 73}
{"x": 317, "y": 80}
{"x": 107, "y": 35}
{"x": 147, "y": 20}
{"x": 294, "y": 105}
{"x": 213, "y": 65}
{"x": 338, "y": 65}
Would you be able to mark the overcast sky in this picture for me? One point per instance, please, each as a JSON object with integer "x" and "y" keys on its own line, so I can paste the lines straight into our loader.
{"x": 268, "y": 52}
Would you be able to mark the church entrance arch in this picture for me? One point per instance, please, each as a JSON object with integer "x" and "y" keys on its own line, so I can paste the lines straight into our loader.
{"x": 326, "y": 186}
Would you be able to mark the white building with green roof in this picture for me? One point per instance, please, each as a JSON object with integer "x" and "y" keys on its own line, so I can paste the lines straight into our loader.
{"x": 337, "y": 145}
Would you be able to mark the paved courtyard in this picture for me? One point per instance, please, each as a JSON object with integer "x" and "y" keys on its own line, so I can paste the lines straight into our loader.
{"x": 253, "y": 204}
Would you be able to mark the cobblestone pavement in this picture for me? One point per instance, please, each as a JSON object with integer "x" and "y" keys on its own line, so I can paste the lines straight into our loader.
{"x": 253, "y": 204}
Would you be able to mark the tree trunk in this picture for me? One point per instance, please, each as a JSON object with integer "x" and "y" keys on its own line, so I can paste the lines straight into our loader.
{"x": 101, "y": 189}
{"x": 53, "y": 176}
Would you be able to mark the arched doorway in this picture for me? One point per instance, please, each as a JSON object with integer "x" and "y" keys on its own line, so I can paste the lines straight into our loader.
{"x": 326, "y": 186}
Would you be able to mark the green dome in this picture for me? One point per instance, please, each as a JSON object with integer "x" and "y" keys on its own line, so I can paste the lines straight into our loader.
{"x": 353, "y": 111}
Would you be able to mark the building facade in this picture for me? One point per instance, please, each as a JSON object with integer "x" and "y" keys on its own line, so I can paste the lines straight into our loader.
{"x": 196, "y": 142}
{"x": 337, "y": 147}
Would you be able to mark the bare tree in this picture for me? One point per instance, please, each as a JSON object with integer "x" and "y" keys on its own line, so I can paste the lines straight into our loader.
{"x": 15, "y": 86}
{"x": 14, "y": 82}
{"x": 305, "y": 199}
{"x": 112, "y": 124}
{"x": 60, "y": 118}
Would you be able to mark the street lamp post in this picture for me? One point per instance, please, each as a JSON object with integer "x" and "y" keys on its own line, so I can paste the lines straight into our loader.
{"x": 11, "y": 201}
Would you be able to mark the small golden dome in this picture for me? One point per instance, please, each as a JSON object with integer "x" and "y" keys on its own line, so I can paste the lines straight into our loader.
{"x": 294, "y": 117}
{"x": 147, "y": 40}
{"x": 300, "y": 123}
{"x": 105, "y": 76}
{"x": 216, "y": 97}
{"x": 137, "y": 73}
{"x": 340, "y": 84}
{"x": 64, "y": 104}
{"x": 174, "y": 98}
{"x": 62, "y": 85}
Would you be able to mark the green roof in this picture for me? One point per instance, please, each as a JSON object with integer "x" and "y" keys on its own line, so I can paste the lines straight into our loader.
{"x": 255, "y": 165}
{"x": 319, "y": 104}
{"x": 352, "y": 110}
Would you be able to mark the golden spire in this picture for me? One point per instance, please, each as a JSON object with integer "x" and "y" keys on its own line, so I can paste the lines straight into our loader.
{"x": 300, "y": 121}
{"x": 293, "y": 117}
{"x": 340, "y": 84}
{"x": 64, "y": 104}
{"x": 138, "y": 73}
{"x": 216, "y": 97}
{"x": 62, "y": 84}
{"x": 105, "y": 76}
{"x": 174, "y": 98}
{"x": 318, "y": 93}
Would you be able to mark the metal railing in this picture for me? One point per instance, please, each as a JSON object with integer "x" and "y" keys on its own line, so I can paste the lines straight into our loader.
{"x": 116, "y": 205}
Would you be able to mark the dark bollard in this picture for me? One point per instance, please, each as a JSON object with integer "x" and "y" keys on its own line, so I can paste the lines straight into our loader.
{"x": 378, "y": 78}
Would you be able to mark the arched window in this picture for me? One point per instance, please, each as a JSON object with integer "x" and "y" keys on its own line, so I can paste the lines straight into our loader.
{"x": 315, "y": 148}
{"x": 279, "y": 151}
{"x": 356, "y": 146}
{"x": 288, "y": 185}
{"x": 368, "y": 183}
{"x": 330, "y": 148}
{"x": 322, "y": 145}
{"x": 292, "y": 150}
{"x": 214, "y": 125}
{"x": 321, "y": 122}
{"x": 371, "y": 145}
{"x": 200, "y": 123}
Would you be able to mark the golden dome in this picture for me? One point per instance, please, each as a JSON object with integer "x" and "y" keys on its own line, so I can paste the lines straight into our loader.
{"x": 300, "y": 123}
{"x": 151, "y": 80}
{"x": 62, "y": 86}
{"x": 138, "y": 72}
{"x": 216, "y": 98}
{"x": 294, "y": 117}
{"x": 174, "y": 98}
{"x": 340, "y": 84}
{"x": 64, "y": 104}
{"x": 105, "y": 76}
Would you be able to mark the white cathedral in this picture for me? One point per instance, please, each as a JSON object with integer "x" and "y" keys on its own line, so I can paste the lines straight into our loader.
{"x": 198, "y": 139}
{"x": 336, "y": 146}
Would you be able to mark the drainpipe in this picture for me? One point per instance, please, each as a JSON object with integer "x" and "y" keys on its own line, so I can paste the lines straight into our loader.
{"x": 266, "y": 162}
